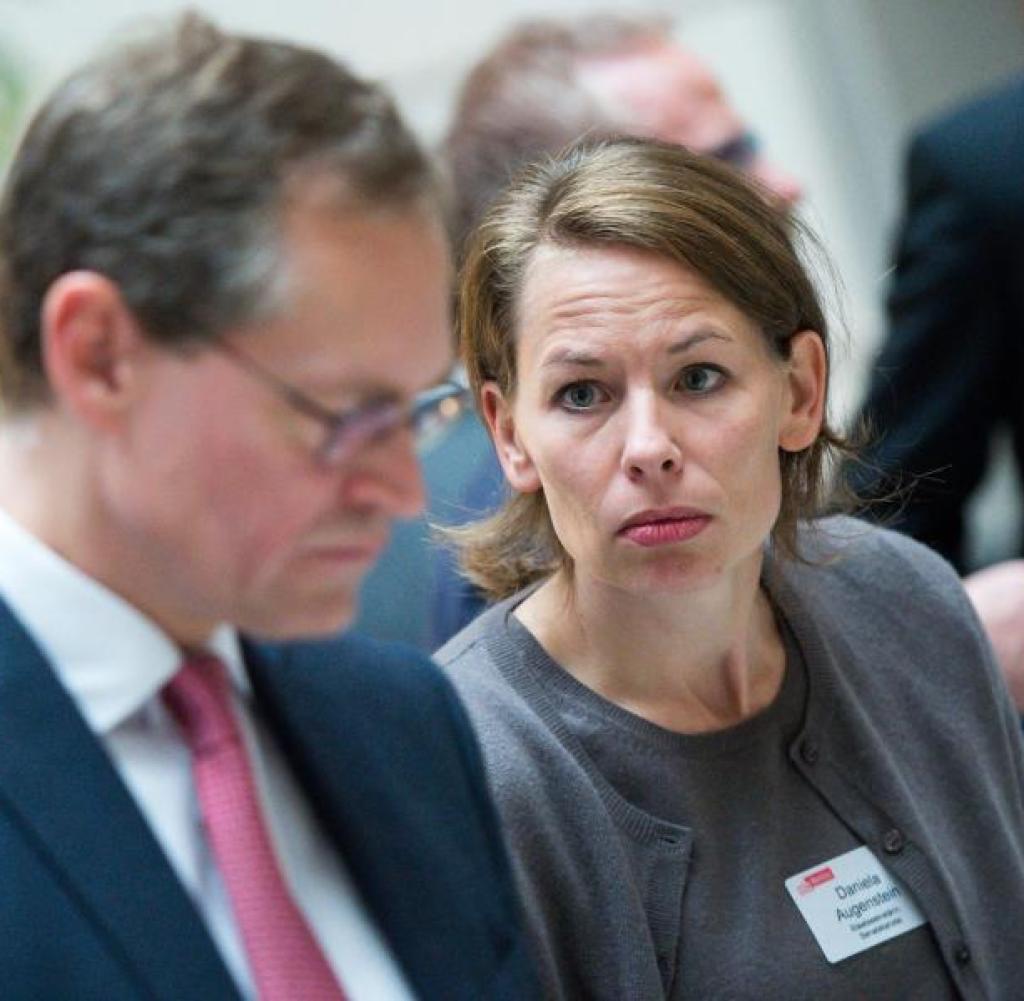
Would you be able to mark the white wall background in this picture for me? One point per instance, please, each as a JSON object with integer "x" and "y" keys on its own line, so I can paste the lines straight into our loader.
{"x": 832, "y": 86}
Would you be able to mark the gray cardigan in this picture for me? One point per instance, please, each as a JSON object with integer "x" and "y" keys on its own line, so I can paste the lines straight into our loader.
{"x": 909, "y": 736}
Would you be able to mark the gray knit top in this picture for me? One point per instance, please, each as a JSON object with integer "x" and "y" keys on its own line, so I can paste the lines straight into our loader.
{"x": 652, "y": 863}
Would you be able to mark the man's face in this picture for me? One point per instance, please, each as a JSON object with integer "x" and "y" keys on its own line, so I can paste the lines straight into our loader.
{"x": 216, "y": 491}
{"x": 664, "y": 92}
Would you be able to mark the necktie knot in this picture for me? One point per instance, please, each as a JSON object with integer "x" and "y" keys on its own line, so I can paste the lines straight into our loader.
{"x": 199, "y": 698}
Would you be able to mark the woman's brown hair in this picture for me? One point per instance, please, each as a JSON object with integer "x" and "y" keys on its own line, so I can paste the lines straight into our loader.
{"x": 650, "y": 196}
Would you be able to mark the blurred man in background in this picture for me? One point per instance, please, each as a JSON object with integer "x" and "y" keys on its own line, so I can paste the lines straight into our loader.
{"x": 949, "y": 379}
{"x": 224, "y": 298}
{"x": 997, "y": 593}
{"x": 950, "y": 374}
{"x": 544, "y": 85}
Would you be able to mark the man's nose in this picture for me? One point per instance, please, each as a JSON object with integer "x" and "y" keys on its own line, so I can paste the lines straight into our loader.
{"x": 786, "y": 188}
{"x": 387, "y": 478}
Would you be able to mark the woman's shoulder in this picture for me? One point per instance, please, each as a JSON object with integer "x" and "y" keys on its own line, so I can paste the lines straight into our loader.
{"x": 875, "y": 587}
{"x": 472, "y": 656}
{"x": 850, "y": 552}
{"x": 489, "y": 663}
{"x": 853, "y": 537}
{"x": 539, "y": 777}
{"x": 886, "y": 600}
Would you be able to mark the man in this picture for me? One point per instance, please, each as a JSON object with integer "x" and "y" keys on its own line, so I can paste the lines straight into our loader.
{"x": 224, "y": 291}
{"x": 544, "y": 85}
{"x": 951, "y": 370}
{"x": 997, "y": 593}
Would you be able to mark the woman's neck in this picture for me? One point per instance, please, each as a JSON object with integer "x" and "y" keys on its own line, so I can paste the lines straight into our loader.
{"x": 693, "y": 661}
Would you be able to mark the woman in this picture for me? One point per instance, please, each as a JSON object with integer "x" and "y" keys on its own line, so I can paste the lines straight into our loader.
{"x": 736, "y": 756}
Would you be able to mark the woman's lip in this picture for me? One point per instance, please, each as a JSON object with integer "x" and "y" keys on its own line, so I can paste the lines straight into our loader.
{"x": 652, "y": 515}
{"x": 662, "y": 530}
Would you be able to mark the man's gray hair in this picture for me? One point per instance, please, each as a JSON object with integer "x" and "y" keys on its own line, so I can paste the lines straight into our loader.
{"x": 525, "y": 100}
{"x": 166, "y": 165}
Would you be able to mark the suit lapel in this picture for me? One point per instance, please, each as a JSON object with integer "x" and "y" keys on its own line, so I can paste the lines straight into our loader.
{"x": 390, "y": 788}
{"x": 84, "y": 825}
{"x": 364, "y": 822}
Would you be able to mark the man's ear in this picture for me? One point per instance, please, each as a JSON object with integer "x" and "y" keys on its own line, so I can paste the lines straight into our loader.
{"x": 515, "y": 460}
{"x": 807, "y": 377}
{"x": 90, "y": 344}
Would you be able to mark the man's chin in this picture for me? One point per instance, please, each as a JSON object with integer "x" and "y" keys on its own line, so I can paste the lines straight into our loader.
{"x": 317, "y": 620}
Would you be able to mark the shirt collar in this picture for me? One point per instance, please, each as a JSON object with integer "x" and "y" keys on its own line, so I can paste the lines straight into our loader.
{"x": 110, "y": 657}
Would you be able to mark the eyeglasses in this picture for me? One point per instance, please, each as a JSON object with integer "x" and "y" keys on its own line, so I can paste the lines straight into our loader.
{"x": 740, "y": 151}
{"x": 428, "y": 414}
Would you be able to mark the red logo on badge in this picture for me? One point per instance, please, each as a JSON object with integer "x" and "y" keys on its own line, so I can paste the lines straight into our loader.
{"x": 813, "y": 879}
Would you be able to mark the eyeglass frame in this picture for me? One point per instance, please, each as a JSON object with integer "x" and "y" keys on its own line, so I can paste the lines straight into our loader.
{"x": 348, "y": 430}
{"x": 739, "y": 151}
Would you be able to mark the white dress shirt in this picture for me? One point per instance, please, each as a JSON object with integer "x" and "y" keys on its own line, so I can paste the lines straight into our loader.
{"x": 114, "y": 661}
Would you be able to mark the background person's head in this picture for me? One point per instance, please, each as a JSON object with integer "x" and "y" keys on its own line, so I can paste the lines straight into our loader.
{"x": 550, "y": 82}
{"x": 192, "y": 223}
{"x": 669, "y": 205}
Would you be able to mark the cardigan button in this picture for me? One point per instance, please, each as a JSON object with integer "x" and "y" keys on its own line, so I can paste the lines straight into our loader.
{"x": 809, "y": 752}
{"x": 893, "y": 841}
{"x": 961, "y": 954}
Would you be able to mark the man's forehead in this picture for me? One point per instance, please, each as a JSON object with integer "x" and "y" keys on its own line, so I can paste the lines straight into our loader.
{"x": 664, "y": 91}
{"x": 315, "y": 227}
{"x": 365, "y": 302}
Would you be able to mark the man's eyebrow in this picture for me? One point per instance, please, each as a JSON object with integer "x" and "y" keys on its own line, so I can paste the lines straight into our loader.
{"x": 448, "y": 374}
{"x": 359, "y": 391}
{"x": 568, "y": 355}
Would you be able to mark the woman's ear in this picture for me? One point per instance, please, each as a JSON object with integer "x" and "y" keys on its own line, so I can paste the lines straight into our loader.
{"x": 513, "y": 456}
{"x": 807, "y": 376}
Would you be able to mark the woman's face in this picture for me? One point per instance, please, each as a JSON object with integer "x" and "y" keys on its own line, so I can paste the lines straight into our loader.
{"x": 650, "y": 411}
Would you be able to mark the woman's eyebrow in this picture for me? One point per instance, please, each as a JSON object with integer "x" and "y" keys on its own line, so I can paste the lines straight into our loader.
{"x": 567, "y": 355}
{"x": 692, "y": 340}
{"x": 570, "y": 356}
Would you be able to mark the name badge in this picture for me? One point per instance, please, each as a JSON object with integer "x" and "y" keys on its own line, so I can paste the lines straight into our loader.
{"x": 852, "y": 903}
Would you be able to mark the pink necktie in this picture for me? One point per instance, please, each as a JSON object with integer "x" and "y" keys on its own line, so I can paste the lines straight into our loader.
{"x": 286, "y": 961}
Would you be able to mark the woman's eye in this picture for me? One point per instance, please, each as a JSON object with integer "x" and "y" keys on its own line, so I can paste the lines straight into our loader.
{"x": 701, "y": 378}
{"x": 580, "y": 396}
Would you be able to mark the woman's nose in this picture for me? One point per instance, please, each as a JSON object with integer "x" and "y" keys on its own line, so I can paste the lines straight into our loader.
{"x": 650, "y": 448}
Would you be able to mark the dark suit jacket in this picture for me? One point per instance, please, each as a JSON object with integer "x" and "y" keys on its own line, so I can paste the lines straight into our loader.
{"x": 952, "y": 368}
{"x": 90, "y": 908}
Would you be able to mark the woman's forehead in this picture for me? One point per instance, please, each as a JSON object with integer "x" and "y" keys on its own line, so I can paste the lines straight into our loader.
{"x": 593, "y": 291}
{"x": 557, "y": 274}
